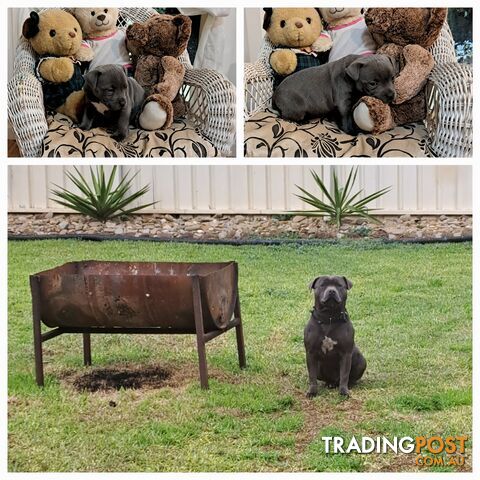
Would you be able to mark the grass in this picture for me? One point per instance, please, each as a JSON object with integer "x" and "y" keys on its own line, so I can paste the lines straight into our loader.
{"x": 411, "y": 307}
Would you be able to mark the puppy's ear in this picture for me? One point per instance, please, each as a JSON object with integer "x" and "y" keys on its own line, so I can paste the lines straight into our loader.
{"x": 353, "y": 70}
{"x": 312, "y": 285}
{"x": 267, "y": 18}
{"x": 91, "y": 79}
{"x": 348, "y": 283}
{"x": 394, "y": 64}
{"x": 30, "y": 25}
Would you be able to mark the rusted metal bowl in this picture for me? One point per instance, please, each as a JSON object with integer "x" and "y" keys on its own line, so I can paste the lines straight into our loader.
{"x": 137, "y": 295}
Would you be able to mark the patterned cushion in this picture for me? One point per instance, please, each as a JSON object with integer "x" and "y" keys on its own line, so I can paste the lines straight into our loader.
{"x": 267, "y": 135}
{"x": 180, "y": 140}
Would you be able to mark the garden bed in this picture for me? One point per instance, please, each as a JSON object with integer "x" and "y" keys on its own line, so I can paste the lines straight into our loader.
{"x": 224, "y": 227}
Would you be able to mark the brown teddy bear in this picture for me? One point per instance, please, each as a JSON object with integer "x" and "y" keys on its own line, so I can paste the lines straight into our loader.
{"x": 299, "y": 39}
{"x": 404, "y": 34}
{"x": 56, "y": 37}
{"x": 156, "y": 45}
{"x": 100, "y": 31}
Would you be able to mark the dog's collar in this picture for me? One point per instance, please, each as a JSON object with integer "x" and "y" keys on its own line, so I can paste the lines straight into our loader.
{"x": 328, "y": 320}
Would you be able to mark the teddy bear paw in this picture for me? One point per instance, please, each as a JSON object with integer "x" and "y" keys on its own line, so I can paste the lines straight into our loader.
{"x": 373, "y": 116}
{"x": 362, "y": 118}
{"x": 283, "y": 61}
{"x": 153, "y": 116}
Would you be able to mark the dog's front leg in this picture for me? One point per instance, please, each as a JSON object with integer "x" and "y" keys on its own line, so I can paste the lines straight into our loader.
{"x": 87, "y": 120}
{"x": 313, "y": 367}
{"x": 345, "y": 367}
{"x": 122, "y": 125}
{"x": 347, "y": 123}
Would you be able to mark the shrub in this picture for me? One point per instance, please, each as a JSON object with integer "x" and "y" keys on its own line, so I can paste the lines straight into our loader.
{"x": 100, "y": 199}
{"x": 341, "y": 201}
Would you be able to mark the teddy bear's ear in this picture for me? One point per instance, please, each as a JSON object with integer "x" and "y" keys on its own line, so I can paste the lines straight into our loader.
{"x": 30, "y": 26}
{"x": 184, "y": 29}
{"x": 434, "y": 25}
{"x": 267, "y": 18}
{"x": 137, "y": 33}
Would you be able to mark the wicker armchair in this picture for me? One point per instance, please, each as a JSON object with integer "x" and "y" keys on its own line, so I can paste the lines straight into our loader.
{"x": 448, "y": 126}
{"x": 210, "y": 100}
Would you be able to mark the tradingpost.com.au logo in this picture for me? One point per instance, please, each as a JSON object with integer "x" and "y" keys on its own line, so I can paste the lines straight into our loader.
{"x": 429, "y": 451}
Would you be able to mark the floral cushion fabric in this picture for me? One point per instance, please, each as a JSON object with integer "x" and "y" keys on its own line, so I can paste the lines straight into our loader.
{"x": 63, "y": 139}
{"x": 267, "y": 135}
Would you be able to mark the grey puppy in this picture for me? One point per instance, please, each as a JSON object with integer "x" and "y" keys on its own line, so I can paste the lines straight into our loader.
{"x": 332, "y": 355}
{"x": 112, "y": 100}
{"x": 332, "y": 90}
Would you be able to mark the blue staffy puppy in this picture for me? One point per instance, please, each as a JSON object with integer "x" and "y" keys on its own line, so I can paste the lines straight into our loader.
{"x": 332, "y": 90}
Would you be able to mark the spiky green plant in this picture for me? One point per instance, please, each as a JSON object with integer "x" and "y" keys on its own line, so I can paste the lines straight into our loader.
{"x": 341, "y": 202}
{"x": 100, "y": 199}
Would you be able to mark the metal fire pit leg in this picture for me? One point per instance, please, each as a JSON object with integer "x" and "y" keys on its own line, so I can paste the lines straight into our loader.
{"x": 87, "y": 351}
{"x": 37, "y": 331}
{"x": 239, "y": 333}
{"x": 197, "y": 310}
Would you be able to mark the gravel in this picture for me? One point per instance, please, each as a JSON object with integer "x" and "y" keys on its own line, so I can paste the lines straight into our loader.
{"x": 225, "y": 227}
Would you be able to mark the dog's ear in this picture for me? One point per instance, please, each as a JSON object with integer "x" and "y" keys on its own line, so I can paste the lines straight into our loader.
{"x": 353, "y": 70}
{"x": 30, "y": 25}
{"x": 91, "y": 79}
{"x": 348, "y": 283}
{"x": 394, "y": 64}
{"x": 267, "y": 18}
{"x": 312, "y": 285}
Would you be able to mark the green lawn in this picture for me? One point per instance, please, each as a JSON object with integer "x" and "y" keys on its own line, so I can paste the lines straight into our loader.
{"x": 411, "y": 307}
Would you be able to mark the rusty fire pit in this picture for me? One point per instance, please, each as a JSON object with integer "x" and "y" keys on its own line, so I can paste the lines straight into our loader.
{"x": 137, "y": 297}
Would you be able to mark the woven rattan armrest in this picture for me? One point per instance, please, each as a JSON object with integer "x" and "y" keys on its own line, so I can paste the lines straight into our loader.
{"x": 258, "y": 87}
{"x": 450, "y": 102}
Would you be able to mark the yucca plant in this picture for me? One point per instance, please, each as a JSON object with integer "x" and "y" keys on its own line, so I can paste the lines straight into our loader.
{"x": 341, "y": 202}
{"x": 99, "y": 199}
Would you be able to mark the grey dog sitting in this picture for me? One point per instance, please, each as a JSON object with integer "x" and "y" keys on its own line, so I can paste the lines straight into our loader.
{"x": 112, "y": 100}
{"x": 332, "y": 90}
{"x": 332, "y": 355}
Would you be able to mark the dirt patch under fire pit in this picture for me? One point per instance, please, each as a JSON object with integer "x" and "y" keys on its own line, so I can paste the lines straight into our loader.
{"x": 116, "y": 378}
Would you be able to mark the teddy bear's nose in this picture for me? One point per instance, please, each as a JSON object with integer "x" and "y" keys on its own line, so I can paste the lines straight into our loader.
{"x": 299, "y": 24}
{"x": 101, "y": 17}
{"x": 72, "y": 34}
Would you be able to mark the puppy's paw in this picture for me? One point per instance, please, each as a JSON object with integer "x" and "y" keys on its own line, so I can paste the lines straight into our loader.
{"x": 344, "y": 391}
{"x": 85, "y": 125}
{"x": 119, "y": 135}
{"x": 153, "y": 116}
{"x": 312, "y": 392}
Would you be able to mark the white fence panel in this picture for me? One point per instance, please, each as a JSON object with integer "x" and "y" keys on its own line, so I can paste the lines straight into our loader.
{"x": 258, "y": 188}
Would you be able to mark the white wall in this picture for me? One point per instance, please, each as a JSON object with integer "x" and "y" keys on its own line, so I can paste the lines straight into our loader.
{"x": 253, "y": 33}
{"x": 258, "y": 189}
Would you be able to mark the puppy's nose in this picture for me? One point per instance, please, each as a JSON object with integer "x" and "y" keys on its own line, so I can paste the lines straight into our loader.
{"x": 72, "y": 34}
{"x": 101, "y": 17}
{"x": 299, "y": 24}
